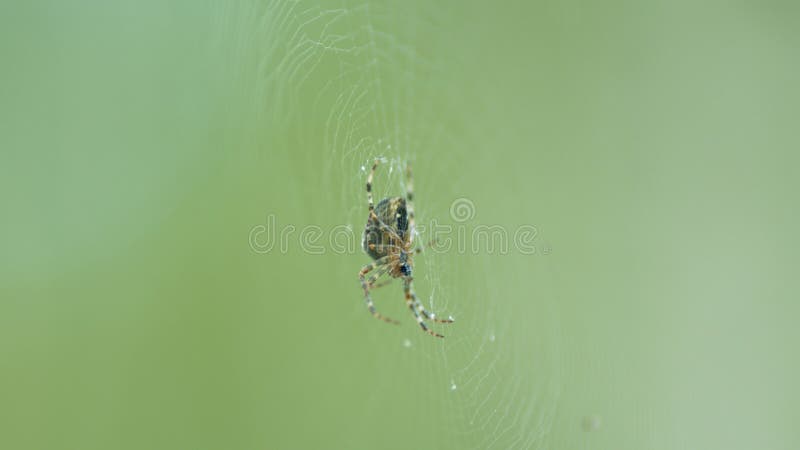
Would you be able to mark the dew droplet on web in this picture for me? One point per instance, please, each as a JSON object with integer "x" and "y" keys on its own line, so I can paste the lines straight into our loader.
{"x": 407, "y": 343}
{"x": 363, "y": 169}
{"x": 491, "y": 337}
{"x": 453, "y": 385}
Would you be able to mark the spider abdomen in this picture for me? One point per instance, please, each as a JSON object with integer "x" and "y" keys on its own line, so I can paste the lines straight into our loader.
{"x": 381, "y": 237}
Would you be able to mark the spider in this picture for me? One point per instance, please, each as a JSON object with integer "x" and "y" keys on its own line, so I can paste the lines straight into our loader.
{"x": 388, "y": 239}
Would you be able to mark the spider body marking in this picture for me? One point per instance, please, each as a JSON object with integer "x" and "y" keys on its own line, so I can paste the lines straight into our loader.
{"x": 387, "y": 234}
{"x": 388, "y": 240}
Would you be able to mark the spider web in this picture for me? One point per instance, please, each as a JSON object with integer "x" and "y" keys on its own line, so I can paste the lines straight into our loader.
{"x": 351, "y": 82}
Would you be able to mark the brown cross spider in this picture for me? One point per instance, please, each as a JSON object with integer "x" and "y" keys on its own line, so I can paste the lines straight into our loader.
{"x": 388, "y": 238}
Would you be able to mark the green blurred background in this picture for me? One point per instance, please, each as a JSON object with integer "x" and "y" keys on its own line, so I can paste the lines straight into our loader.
{"x": 145, "y": 148}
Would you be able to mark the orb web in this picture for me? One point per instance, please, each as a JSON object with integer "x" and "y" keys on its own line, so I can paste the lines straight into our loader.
{"x": 348, "y": 83}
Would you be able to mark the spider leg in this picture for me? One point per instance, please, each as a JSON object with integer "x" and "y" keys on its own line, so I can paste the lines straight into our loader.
{"x": 427, "y": 314}
{"x": 370, "y": 202}
{"x": 371, "y": 281}
{"x": 410, "y": 202}
{"x": 378, "y": 273}
{"x": 431, "y": 316}
{"x": 365, "y": 285}
{"x": 383, "y": 247}
{"x": 392, "y": 235}
{"x": 383, "y": 283}
{"x": 410, "y": 303}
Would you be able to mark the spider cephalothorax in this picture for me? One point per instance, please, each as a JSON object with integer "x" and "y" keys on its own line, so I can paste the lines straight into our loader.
{"x": 388, "y": 240}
